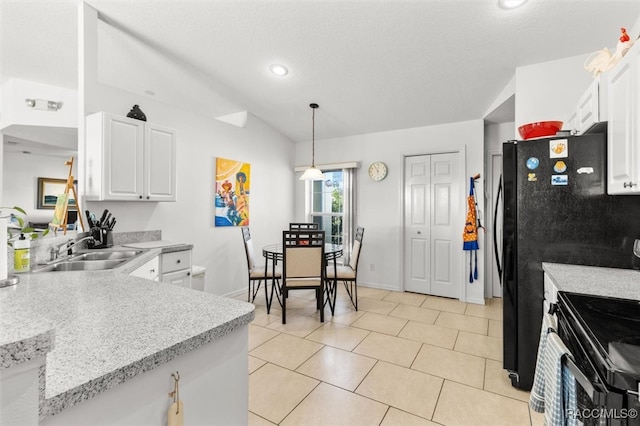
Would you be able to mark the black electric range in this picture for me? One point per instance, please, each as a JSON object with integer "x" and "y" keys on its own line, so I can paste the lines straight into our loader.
{"x": 603, "y": 335}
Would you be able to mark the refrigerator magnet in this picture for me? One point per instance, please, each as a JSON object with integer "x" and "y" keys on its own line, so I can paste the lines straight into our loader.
{"x": 560, "y": 166}
{"x": 533, "y": 163}
{"x": 531, "y": 177}
{"x": 559, "y": 180}
{"x": 585, "y": 170}
{"x": 559, "y": 148}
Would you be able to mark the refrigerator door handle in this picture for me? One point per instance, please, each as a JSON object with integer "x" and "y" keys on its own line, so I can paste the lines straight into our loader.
{"x": 495, "y": 233}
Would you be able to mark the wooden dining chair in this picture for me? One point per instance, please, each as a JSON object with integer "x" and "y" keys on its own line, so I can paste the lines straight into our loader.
{"x": 257, "y": 273}
{"x": 303, "y": 266}
{"x": 295, "y": 226}
{"x": 348, "y": 274}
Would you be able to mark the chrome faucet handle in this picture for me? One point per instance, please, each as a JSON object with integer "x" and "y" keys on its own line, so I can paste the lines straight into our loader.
{"x": 53, "y": 253}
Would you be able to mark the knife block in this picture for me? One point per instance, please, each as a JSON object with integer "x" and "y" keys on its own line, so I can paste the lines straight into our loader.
{"x": 103, "y": 238}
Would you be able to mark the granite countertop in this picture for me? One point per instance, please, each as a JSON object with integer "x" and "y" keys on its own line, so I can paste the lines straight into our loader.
{"x": 610, "y": 282}
{"x": 102, "y": 328}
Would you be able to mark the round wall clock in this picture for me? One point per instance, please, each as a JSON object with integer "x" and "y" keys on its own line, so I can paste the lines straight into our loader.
{"x": 378, "y": 171}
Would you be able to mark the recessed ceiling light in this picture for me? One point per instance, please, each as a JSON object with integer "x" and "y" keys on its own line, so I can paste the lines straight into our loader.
{"x": 511, "y": 4}
{"x": 279, "y": 70}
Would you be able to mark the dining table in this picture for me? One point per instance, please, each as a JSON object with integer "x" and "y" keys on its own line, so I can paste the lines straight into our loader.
{"x": 273, "y": 253}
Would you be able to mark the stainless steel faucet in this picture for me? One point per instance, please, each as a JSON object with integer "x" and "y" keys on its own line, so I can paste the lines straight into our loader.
{"x": 68, "y": 245}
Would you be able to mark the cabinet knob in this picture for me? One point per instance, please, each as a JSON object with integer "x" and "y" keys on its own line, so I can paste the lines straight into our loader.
{"x": 140, "y": 196}
{"x": 147, "y": 197}
{"x": 153, "y": 271}
{"x": 629, "y": 185}
{"x": 178, "y": 261}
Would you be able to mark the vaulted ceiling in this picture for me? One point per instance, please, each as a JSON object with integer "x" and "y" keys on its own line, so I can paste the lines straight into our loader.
{"x": 371, "y": 65}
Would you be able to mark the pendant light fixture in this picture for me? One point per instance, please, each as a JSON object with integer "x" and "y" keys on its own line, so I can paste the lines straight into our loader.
{"x": 313, "y": 173}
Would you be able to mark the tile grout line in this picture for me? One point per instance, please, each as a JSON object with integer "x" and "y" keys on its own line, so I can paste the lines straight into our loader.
{"x": 377, "y": 360}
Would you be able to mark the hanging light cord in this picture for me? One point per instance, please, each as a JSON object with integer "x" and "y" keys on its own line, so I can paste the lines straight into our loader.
{"x": 313, "y": 136}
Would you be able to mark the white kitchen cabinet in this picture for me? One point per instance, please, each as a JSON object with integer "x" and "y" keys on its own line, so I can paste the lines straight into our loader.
{"x": 173, "y": 268}
{"x": 149, "y": 271}
{"x": 129, "y": 160}
{"x": 588, "y": 109}
{"x": 176, "y": 268}
{"x": 623, "y": 132}
{"x": 591, "y": 109}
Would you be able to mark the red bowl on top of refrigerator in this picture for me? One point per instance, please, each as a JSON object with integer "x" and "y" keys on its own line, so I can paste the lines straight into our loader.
{"x": 539, "y": 129}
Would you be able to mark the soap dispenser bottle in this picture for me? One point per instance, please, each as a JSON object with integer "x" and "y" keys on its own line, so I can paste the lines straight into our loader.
{"x": 22, "y": 254}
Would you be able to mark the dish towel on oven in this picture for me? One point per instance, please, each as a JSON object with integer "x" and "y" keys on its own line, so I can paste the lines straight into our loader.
{"x": 536, "y": 398}
{"x": 560, "y": 385}
{"x": 554, "y": 386}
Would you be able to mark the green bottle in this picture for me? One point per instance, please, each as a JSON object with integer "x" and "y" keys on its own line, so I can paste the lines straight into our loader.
{"x": 22, "y": 255}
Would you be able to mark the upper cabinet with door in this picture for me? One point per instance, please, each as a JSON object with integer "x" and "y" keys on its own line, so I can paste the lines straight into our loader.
{"x": 590, "y": 112}
{"x": 591, "y": 109}
{"x": 623, "y": 131}
{"x": 129, "y": 160}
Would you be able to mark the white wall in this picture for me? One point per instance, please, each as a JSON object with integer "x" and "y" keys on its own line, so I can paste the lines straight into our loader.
{"x": 20, "y": 186}
{"x": 497, "y": 134}
{"x": 15, "y": 110}
{"x": 200, "y": 140}
{"x": 550, "y": 90}
{"x": 379, "y": 203}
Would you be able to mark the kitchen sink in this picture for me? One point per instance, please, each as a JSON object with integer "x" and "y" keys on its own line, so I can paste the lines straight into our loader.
{"x": 81, "y": 265}
{"x": 90, "y": 261}
{"x": 105, "y": 255}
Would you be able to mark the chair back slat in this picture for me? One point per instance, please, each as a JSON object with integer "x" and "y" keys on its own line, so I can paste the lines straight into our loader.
{"x": 294, "y": 226}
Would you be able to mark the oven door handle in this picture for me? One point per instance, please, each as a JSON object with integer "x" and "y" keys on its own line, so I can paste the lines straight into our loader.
{"x": 589, "y": 388}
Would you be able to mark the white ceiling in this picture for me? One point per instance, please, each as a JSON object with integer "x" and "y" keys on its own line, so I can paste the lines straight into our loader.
{"x": 371, "y": 65}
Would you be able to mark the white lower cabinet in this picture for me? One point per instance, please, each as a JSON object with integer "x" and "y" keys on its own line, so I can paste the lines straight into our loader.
{"x": 149, "y": 271}
{"x": 181, "y": 278}
{"x": 176, "y": 268}
{"x": 173, "y": 268}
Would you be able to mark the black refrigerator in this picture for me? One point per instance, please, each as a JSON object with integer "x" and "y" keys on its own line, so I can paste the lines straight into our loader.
{"x": 556, "y": 209}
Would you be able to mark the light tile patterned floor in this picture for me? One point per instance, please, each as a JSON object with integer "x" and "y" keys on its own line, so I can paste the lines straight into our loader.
{"x": 402, "y": 359}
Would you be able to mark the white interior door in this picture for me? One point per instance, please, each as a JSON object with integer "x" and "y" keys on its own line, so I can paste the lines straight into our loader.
{"x": 432, "y": 193}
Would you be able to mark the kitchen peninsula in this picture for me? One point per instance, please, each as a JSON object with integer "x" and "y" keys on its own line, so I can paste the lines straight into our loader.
{"x": 104, "y": 329}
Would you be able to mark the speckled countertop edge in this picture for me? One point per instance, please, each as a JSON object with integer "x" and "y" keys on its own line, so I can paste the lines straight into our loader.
{"x": 35, "y": 336}
{"x": 598, "y": 281}
{"x": 108, "y": 381}
{"x": 26, "y": 349}
{"x": 32, "y": 339}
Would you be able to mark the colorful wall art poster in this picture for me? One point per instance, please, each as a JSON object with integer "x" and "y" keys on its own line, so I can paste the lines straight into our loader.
{"x": 232, "y": 192}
